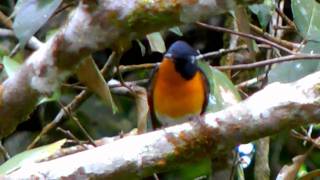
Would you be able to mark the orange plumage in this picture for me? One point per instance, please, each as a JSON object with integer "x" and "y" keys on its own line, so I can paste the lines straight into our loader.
{"x": 179, "y": 89}
{"x": 176, "y": 97}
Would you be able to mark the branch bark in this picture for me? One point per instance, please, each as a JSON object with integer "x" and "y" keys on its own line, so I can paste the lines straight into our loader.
{"x": 271, "y": 110}
{"x": 94, "y": 25}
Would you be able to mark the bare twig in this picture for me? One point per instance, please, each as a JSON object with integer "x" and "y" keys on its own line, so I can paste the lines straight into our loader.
{"x": 4, "y": 152}
{"x": 112, "y": 86}
{"x": 77, "y": 101}
{"x": 281, "y": 42}
{"x": 304, "y": 57}
{"x": 76, "y": 120}
{"x": 250, "y": 82}
{"x": 286, "y": 18}
{"x": 5, "y": 20}
{"x": 222, "y": 52}
{"x": 15, "y": 50}
{"x": 221, "y": 29}
{"x": 287, "y": 28}
{"x": 64, "y": 8}
{"x": 306, "y": 137}
{"x": 124, "y": 69}
{"x": 70, "y": 135}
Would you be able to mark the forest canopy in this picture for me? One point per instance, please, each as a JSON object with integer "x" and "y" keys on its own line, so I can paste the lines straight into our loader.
{"x": 78, "y": 89}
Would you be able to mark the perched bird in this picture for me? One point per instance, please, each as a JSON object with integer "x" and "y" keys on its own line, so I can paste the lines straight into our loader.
{"x": 179, "y": 89}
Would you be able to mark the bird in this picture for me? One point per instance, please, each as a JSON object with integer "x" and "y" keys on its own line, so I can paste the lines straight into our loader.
{"x": 179, "y": 89}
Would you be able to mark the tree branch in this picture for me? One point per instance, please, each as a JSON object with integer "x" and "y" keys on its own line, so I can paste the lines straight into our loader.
{"x": 296, "y": 57}
{"x": 271, "y": 110}
{"x": 94, "y": 25}
{"x": 250, "y": 36}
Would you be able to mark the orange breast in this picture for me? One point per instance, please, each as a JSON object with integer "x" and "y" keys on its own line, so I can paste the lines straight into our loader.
{"x": 176, "y": 97}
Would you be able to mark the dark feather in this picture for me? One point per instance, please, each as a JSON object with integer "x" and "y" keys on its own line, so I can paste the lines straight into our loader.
{"x": 154, "y": 120}
{"x": 207, "y": 91}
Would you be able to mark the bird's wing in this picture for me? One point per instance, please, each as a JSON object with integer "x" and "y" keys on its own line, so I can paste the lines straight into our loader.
{"x": 207, "y": 91}
{"x": 154, "y": 120}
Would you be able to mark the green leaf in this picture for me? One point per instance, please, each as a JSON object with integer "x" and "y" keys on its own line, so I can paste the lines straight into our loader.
{"x": 308, "y": 175}
{"x": 222, "y": 91}
{"x": 30, "y": 156}
{"x": 31, "y": 15}
{"x": 54, "y": 97}
{"x": 302, "y": 171}
{"x": 306, "y": 16}
{"x": 89, "y": 74}
{"x": 292, "y": 71}
{"x": 176, "y": 30}
{"x": 195, "y": 170}
{"x": 263, "y": 12}
{"x": 142, "y": 48}
{"x": 156, "y": 42}
{"x": 10, "y": 65}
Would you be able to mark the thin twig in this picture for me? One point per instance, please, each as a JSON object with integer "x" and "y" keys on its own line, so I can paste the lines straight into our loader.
{"x": 266, "y": 35}
{"x": 4, "y": 152}
{"x": 77, "y": 101}
{"x": 6, "y": 32}
{"x": 63, "y": 8}
{"x": 15, "y": 50}
{"x": 5, "y": 20}
{"x": 122, "y": 80}
{"x": 111, "y": 86}
{"x": 73, "y": 86}
{"x": 305, "y": 137}
{"x": 32, "y": 44}
{"x": 70, "y": 135}
{"x": 263, "y": 40}
{"x": 272, "y": 61}
{"x": 286, "y": 18}
{"x": 287, "y": 28}
{"x": 250, "y": 82}
{"x": 214, "y": 54}
{"x": 130, "y": 83}
{"x": 124, "y": 69}
{"x": 222, "y": 52}
{"x": 76, "y": 120}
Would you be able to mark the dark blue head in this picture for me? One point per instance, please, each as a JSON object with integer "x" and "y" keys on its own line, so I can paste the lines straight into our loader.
{"x": 183, "y": 56}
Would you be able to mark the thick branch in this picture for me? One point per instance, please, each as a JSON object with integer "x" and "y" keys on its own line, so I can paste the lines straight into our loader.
{"x": 273, "y": 109}
{"x": 94, "y": 25}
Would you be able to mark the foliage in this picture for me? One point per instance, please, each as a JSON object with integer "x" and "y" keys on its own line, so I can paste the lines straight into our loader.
{"x": 42, "y": 17}
{"x": 31, "y": 156}
{"x": 30, "y": 16}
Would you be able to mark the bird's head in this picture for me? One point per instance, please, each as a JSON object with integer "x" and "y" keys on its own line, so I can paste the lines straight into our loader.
{"x": 184, "y": 59}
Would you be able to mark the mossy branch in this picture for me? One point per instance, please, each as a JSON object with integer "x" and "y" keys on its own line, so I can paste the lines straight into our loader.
{"x": 93, "y": 25}
{"x": 269, "y": 111}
